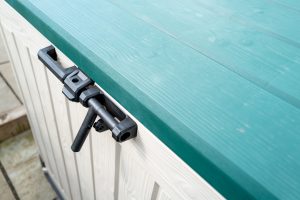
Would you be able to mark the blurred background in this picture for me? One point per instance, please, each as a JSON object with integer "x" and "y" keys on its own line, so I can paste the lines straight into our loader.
{"x": 21, "y": 175}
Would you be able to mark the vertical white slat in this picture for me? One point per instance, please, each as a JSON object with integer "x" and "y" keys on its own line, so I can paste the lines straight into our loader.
{"x": 20, "y": 94}
{"x": 63, "y": 122}
{"x": 83, "y": 157}
{"x": 104, "y": 161}
{"x": 17, "y": 68}
{"x": 37, "y": 102}
{"x": 134, "y": 181}
{"x": 43, "y": 85}
{"x": 163, "y": 196}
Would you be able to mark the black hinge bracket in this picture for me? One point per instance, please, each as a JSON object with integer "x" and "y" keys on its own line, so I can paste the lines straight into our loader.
{"x": 78, "y": 87}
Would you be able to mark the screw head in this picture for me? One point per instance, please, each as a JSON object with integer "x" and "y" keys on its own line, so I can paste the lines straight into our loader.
{"x": 100, "y": 126}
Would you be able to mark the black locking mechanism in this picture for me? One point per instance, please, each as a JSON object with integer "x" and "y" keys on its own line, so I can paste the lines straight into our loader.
{"x": 78, "y": 87}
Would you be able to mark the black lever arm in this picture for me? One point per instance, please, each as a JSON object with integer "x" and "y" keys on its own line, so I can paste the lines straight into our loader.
{"x": 84, "y": 130}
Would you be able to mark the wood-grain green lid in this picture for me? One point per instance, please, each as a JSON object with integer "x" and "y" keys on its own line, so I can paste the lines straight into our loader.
{"x": 217, "y": 81}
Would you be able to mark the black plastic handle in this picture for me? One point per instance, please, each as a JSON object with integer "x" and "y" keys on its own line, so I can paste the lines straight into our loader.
{"x": 48, "y": 57}
{"x": 84, "y": 130}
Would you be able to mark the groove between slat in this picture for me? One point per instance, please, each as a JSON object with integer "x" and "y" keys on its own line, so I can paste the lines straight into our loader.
{"x": 117, "y": 170}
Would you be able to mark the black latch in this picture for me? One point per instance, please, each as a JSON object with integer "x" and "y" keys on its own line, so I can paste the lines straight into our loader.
{"x": 78, "y": 87}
